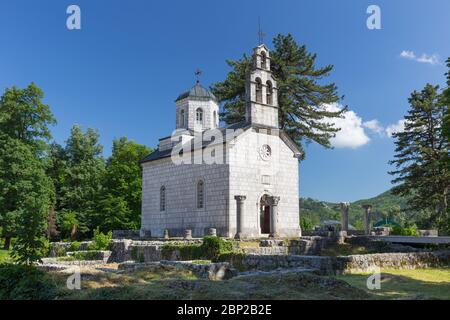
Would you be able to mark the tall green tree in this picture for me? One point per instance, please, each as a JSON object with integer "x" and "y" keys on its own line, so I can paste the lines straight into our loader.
{"x": 121, "y": 202}
{"x": 82, "y": 184}
{"x": 23, "y": 116}
{"x": 25, "y": 198}
{"x": 303, "y": 99}
{"x": 421, "y": 150}
{"x": 24, "y": 123}
{"x": 446, "y": 99}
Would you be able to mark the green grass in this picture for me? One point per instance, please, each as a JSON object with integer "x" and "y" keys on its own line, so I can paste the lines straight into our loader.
{"x": 406, "y": 284}
{"x": 4, "y": 256}
{"x": 170, "y": 283}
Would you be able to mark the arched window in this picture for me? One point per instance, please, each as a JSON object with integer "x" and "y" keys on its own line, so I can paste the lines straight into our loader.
{"x": 214, "y": 119}
{"x": 199, "y": 116}
{"x": 258, "y": 90}
{"x": 182, "y": 118}
{"x": 162, "y": 199}
{"x": 263, "y": 60}
{"x": 200, "y": 194}
{"x": 269, "y": 93}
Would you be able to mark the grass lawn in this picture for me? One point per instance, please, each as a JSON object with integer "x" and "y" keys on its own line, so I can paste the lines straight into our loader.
{"x": 406, "y": 284}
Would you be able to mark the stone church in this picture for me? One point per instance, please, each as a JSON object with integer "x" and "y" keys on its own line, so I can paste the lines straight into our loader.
{"x": 252, "y": 193}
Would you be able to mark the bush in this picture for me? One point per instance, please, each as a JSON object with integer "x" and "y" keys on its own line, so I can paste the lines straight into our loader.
{"x": 21, "y": 282}
{"x": 210, "y": 249}
{"x": 100, "y": 241}
{"x": 86, "y": 255}
{"x": 411, "y": 231}
{"x": 306, "y": 223}
{"x": 75, "y": 246}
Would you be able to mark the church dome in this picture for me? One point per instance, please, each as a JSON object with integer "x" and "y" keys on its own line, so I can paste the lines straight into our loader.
{"x": 197, "y": 92}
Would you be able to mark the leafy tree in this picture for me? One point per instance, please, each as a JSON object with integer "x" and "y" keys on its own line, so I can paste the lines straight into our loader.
{"x": 446, "y": 101}
{"x": 25, "y": 198}
{"x": 81, "y": 187}
{"x": 306, "y": 223}
{"x": 69, "y": 224}
{"x": 23, "y": 116}
{"x": 121, "y": 201}
{"x": 24, "y": 123}
{"x": 421, "y": 150}
{"x": 304, "y": 103}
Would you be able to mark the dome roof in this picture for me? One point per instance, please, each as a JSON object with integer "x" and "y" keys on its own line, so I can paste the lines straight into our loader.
{"x": 197, "y": 92}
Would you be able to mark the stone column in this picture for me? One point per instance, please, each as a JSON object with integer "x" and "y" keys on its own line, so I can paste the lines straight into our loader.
{"x": 188, "y": 234}
{"x": 367, "y": 208}
{"x": 166, "y": 234}
{"x": 344, "y": 216}
{"x": 212, "y": 232}
{"x": 240, "y": 215}
{"x": 273, "y": 202}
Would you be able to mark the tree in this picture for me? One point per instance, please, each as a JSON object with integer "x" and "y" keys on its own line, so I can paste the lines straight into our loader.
{"x": 23, "y": 116}
{"x": 24, "y": 123}
{"x": 421, "y": 151}
{"x": 25, "y": 198}
{"x": 81, "y": 187}
{"x": 446, "y": 101}
{"x": 121, "y": 201}
{"x": 305, "y": 105}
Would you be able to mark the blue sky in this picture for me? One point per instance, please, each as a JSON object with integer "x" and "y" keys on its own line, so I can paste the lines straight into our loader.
{"x": 122, "y": 71}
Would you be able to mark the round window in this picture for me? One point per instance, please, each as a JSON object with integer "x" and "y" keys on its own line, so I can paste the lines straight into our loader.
{"x": 265, "y": 151}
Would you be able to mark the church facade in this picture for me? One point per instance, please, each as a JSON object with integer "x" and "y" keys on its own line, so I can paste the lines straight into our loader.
{"x": 249, "y": 190}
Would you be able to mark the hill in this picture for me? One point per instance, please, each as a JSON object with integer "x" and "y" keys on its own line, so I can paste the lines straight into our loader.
{"x": 385, "y": 205}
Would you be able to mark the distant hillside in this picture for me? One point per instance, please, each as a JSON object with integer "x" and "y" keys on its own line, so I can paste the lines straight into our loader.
{"x": 384, "y": 205}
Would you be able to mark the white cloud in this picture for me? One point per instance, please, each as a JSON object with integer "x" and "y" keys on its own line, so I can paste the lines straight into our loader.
{"x": 374, "y": 126}
{"x": 352, "y": 134}
{"x": 396, "y": 127}
{"x": 424, "y": 58}
{"x": 407, "y": 54}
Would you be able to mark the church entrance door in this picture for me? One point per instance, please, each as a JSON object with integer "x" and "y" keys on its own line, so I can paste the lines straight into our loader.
{"x": 265, "y": 215}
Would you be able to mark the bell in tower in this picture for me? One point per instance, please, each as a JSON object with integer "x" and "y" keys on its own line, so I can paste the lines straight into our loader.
{"x": 261, "y": 91}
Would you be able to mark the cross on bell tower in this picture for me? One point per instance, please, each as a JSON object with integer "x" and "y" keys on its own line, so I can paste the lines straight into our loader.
{"x": 198, "y": 73}
{"x": 260, "y": 33}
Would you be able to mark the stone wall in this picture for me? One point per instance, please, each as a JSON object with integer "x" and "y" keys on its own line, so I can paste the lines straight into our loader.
{"x": 211, "y": 271}
{"x": 145, "y": 251}
{"x": 126, "y": 234}
{"x": 59, "y": 249}
{"x": 410, "y": 260}
{"x": 342, "y": 264}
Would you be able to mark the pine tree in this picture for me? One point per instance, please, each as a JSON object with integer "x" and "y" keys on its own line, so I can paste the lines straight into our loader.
{"x": 304, "y": 112}
{"x": 446, "y": 99}
{"x": 421, "y": 150}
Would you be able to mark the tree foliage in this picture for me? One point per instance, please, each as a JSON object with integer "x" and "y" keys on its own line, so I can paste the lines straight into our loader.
{"x": 25, "y": 198}
{"x": 421, "y": 170}
{"x": 121, "y": 200}
{"x": 82, "y": 178}
{"x": 23, "y": 116}
{"x": 26, "y": 193}
{"x": 306, "y": 106}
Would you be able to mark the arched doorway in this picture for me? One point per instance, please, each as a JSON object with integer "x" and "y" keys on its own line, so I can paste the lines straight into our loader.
{"x": 264, "y": 215}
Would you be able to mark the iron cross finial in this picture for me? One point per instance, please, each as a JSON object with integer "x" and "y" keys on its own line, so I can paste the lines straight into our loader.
{"x": 198, "y": 73}
{"x": 260, "y": 33}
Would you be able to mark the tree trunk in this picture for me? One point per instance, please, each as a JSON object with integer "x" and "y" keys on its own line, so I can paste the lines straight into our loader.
{"x": 7, "y": 243}
{"x": 73, "y": 233}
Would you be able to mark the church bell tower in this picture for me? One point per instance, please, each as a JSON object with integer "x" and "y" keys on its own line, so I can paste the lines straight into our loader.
{"x": 261, "y": 91}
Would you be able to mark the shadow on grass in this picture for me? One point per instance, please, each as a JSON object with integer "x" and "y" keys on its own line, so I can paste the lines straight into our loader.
{"x": 286, "y": 286}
